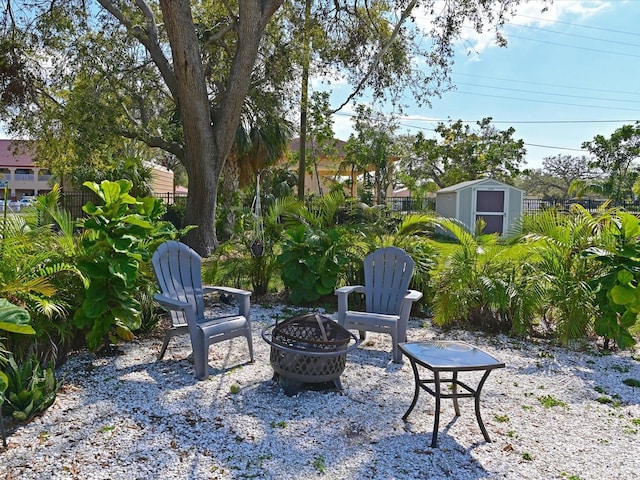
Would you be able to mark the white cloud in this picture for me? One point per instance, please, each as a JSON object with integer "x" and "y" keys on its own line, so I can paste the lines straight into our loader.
{"x": 529, "y": 13}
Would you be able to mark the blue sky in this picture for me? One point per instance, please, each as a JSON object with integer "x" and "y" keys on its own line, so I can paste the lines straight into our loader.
{"x": 567, "y": 75}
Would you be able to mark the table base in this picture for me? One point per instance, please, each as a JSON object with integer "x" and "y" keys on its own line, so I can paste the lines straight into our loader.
{"x": 436, "y": 392}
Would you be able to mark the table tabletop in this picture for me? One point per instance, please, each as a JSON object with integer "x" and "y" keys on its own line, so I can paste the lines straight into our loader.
{"x": 449, "y": 355}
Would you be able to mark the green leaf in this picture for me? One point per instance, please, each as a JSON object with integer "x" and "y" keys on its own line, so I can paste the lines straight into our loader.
{"x": 138, "y": 221}
{"x": 4, "y": 383}
{"x": 94, "y": 307}
{"x": 630, "y": 225}
{"x": 622, "y": 294}
{"x": 13, "y": 328}
{"x": 628, "y": 319}
{"x": 625, "y": 277}
{"x": 14, "y": 319}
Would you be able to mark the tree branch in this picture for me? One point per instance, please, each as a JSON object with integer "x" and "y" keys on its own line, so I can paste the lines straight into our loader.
{"x": 148, "y": 37}
{"x": 405, "y": 14}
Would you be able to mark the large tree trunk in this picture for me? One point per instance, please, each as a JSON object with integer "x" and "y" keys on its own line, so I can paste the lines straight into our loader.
{"x": 209, "y": 132}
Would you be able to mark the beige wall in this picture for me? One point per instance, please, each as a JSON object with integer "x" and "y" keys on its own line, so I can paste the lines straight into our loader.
{"x": 162, "y": 180}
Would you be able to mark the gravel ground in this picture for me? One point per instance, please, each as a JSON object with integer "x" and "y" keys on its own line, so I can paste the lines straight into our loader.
{"x": 552, "y": 413}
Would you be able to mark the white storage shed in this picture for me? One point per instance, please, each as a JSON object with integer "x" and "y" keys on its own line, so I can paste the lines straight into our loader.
{"x": 499, "y": 204}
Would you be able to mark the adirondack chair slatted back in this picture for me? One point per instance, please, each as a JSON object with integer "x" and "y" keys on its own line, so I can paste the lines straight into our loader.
{"x": 387, "y": 273}
{"x": 178, "y": 270}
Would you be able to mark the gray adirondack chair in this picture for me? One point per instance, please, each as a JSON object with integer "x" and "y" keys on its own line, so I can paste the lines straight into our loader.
{"x": 178, "y": 269}
{"x": 388, "y": 300}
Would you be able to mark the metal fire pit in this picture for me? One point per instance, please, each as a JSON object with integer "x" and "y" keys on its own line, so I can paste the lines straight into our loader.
{"x": 309, "y": 348}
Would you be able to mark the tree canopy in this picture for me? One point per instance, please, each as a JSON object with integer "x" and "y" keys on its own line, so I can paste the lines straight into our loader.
{"x": 616, "y": 157}
{"x": 184, "y": 76}
{"x": 463, "y": 153}
{"x": 558, "y": 176}
{"x": 371, "y": 151}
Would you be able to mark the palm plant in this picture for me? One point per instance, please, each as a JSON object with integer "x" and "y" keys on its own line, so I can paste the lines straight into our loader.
{"x": 617, "y": 288}
{"x": 481, "y": 283}
{"x": 35, "y": 273}
{"x": 557, "y": 241}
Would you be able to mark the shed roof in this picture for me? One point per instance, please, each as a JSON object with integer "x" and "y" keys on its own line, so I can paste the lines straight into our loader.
{"x": 470, "y": 183}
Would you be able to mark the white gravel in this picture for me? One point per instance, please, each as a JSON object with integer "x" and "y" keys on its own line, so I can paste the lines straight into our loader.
{"x": 130, "y": 417}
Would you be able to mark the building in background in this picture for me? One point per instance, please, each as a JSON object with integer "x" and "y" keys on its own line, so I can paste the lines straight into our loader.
{"x": 18, "y": 172}
{"x": 24, "y": 178}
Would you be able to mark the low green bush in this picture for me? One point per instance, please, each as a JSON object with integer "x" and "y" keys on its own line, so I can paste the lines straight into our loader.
{"x": 30, "y": 389}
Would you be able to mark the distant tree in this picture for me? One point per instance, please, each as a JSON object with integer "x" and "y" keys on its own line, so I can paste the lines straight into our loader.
{"x": 320, "y": 138}
{"x": 371, "y": 150}
{"x": 617, "y": 158}
{"x": 557, "y": 176}
{"x": 405, "y": 173}
{"x": 464, "y": 154}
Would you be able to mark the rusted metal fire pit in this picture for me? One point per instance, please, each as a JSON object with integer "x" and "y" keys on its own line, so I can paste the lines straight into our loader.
{"x": 309, "y": 348}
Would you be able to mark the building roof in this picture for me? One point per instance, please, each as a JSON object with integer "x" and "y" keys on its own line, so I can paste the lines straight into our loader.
{"x": 294, "y": 146}
{"x": 8, "y": 158}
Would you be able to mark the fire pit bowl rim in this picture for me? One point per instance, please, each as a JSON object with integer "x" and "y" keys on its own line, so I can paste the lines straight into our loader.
{"x": 267, "y": 333}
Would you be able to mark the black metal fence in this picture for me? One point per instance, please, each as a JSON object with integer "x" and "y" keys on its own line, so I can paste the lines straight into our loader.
{"x": 73, "y": 202}
{"x": 530, "y": 205}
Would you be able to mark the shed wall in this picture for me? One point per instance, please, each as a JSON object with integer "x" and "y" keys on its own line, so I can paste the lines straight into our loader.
{"x": 446, "y": 204}
{"x": 465, "y": 207}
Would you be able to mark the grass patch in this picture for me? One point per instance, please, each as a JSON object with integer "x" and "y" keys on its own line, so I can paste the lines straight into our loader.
{"x": 631, "y": 382}
{"x": 621, "y": 368}
{"x": 548, "y": 401}
{"x": 319, "y": 464}
{"x": 614, "y": 401}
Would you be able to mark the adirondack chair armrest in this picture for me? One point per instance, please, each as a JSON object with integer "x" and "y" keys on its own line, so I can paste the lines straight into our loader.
{"x": 405, "y": 310}
{"x": 349, "y": 289}
{"x": 343, "y": 299}
{"x": 243, "y": 297}
{"x": 171, "y": 303}
{"x": 413, "y": 295}
{"x": 228, "y": 290}
{"x": 407, "y": 301}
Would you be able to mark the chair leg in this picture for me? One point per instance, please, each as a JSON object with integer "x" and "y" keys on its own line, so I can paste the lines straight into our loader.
{"x": 200, "y": 357}
{"x": 250, "y": 345}
{"x": 2, "y": 431}
{"x": 165, "y": 344}
{"x": 397, "y": 354}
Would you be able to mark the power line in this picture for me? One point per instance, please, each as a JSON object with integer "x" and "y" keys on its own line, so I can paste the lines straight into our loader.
{"x": 574, "y": 35}
{"x": 545, "y": 93}
{"x": 608, "y": 52}
{"x": 560, "y": 121}
{"x": 556, "y": 148}
{"x": 578, "y": 25}
{"x": 553, "y": 147}
{"x": 547, "y": 101}
{"x": 573, "y": 87}
{"x": 449, "y": 120}
{"x": 543, "y": 122}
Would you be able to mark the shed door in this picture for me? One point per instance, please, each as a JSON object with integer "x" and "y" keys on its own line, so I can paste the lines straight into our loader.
{"x": 490, "y": 206}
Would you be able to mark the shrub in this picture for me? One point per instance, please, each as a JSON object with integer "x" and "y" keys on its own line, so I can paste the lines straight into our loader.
{"x": 311, "y": 262}
{"x": 118, "y": 237}
{"x": 30, "y": 388}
